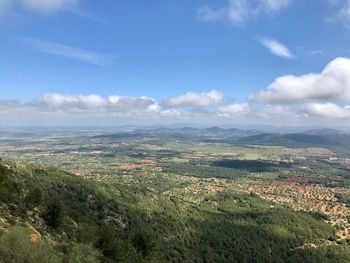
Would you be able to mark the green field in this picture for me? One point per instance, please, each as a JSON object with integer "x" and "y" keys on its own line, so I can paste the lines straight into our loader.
{"x": 168, "y": 197}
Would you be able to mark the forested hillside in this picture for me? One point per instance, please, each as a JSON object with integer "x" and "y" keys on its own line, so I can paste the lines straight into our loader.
{"x": 47, "y": 215}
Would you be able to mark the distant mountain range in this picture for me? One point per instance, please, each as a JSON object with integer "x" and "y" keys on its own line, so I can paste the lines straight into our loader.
{"x": 234, "y": 131}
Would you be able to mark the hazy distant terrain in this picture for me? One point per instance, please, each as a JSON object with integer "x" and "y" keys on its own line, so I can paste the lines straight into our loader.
{"x": 177, "y": 195}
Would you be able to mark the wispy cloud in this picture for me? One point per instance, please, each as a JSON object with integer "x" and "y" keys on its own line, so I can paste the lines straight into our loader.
{"x": 88, "y": 16}
{"x": 342, "y": 13}
{"x": 239, "y": 12}
{"x": 44, "y": 7}
{"x": 47, "y": 7}
{"x": 276, "y": 48}
{"x": 88, "y": 56}
{"x": 317, "y": 52}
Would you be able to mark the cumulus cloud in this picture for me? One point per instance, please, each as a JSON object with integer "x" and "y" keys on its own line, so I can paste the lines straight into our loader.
{"x": 45, "y": 7}
{"x": 195, "y": 99}
{"x": 333, "y": 83}
{"x": 233, "y": 110}
{"x": 53, "y": 100}
{"x": 240, "y": 11}
{"x": 277, "y": 112}
{"x": 60, "y": 109}
{"x": 57, "y": 49}
{"x": 276, "y": 48}
{"x": 328, "y": 110}
{"x": 96, "y": 103}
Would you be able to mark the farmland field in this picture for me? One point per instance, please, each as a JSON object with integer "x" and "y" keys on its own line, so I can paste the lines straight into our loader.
{"x": 194, "y": 182}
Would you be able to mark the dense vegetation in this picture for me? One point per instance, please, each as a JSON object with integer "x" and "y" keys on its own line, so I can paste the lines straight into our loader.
{"x": 86, "y": 221}
{"x": 316, "y": 170}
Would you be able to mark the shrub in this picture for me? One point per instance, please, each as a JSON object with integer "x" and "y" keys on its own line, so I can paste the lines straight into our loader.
{"x": 16, "y": 247}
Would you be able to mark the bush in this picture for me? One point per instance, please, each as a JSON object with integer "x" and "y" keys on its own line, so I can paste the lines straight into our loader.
{"x": 16, "y": 247}
{"x": 82, "y": 253}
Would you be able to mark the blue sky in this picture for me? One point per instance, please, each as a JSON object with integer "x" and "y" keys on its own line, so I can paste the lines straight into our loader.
{"x": 68, "y": 59}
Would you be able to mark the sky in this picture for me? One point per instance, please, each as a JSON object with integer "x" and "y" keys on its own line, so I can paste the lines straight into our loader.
{"x": 232, "y": 62}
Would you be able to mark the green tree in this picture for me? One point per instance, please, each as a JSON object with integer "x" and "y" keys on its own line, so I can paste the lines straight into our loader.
{"x": 33, "y": 198}
{"x": 83, "y": 253}
{"x": 143, "y": 243}
{"x": 53, "y": 214}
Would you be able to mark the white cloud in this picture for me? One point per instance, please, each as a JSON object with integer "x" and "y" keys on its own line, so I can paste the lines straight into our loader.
{"x": 277, "y": 112}
{"x": 275, "y": 5}
{"x": 195, "y": 99}
{"x": 44, "y": 7}
{"x": 170, "y": 113}
{"x": 59, "y": 108}
{"x": 48, "y": 7}
{"x": 91, "y": 109}
{"x": 55, "y": 108}
{"x": 342, "y": 13}
{"x": 317, "y": 53}
{"x": 333, "y": 83}
{"x": 68, "y": 102}
{"x": 155, "y": 107}
{"x": 206, "y": 13}
{"x": 126, "y": 103}
{"x": 233, "y": 110}
{"x": 114, "y": 99}
{"x": 240, "y": 11}
{"x": 276, "y": 48}
{"x": 92, "y": 102}
{"x": 58, "y": 49}
{"x": 57, "y": 100}
{"x": 327, "y": 110}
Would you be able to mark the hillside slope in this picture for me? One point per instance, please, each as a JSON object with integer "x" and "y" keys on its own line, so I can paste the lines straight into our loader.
{"x": 48, "y": 215}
